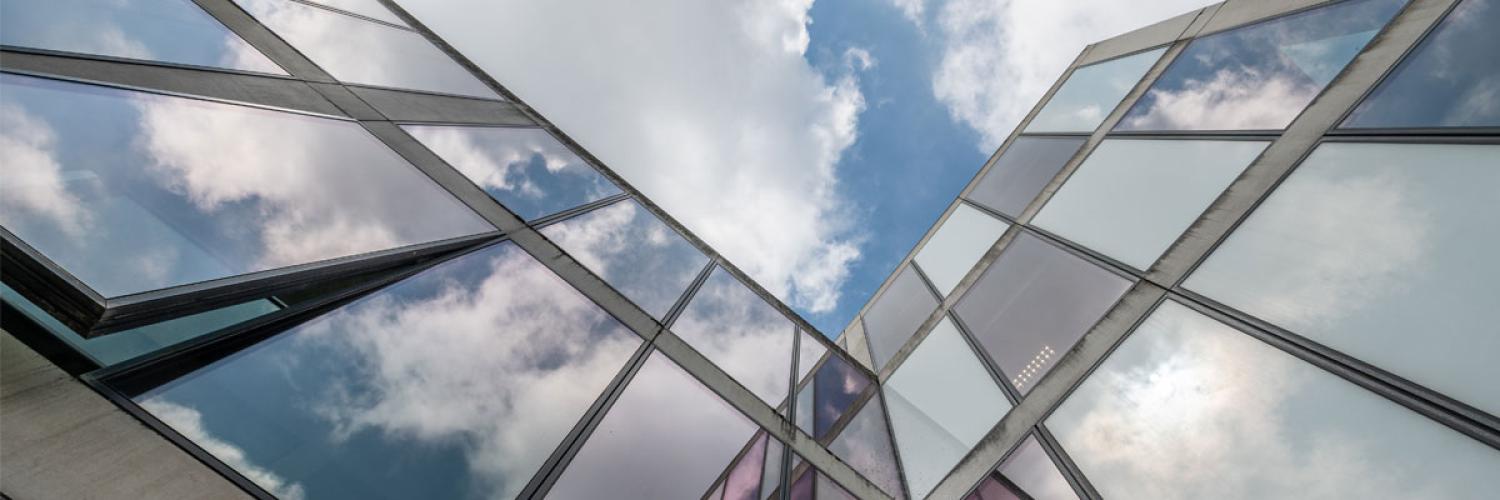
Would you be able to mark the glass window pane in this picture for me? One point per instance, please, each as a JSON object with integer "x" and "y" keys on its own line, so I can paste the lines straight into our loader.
{"x": 525, "y": 169}
{"x": 829, "y": 490}
{"x": 1022, "y": 171}
{"x": 770, "y": 475}
{"x": 1102, "y": 204}
{"x": 809, "y": 352}
{"x": 942, "y": 402}
{"x": 992, "y": 489}
{"x": 802, "y": 487}
{"x": 1030, "y": 469}
{"x": 895, "y": 316}
{"x": 745, "y": 475}
{"x": 1383, "y": 251}
{"x": 1450, "y": 80}
{"x": 741, "y": 333}
{"x": 666, "y": 437}
{"x": 368, "y": 8}
{"x": 171, "y": 31}
{"x": 957, "y": 246}
{"x": 1091, "y": 93}
{"x": 378, "y": 398}
{"x": 1188, "y": 407}
{"x": 357, "y": 51}
{"x": 1033, "y": 304}
{"x": 865, "y": 444}
{"x": 633, "y": 251}
{"x": 1259, "y": 77}
{"x": 131, "y": 191}
{"x": 835, "y": 388}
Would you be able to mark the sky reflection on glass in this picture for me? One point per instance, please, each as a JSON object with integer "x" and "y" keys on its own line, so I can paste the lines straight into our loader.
{"x": 1027, "y": 166}
{"x": 1030, "y": 469}
{"x": 1188, "y": 407}
{"x": 1261, "y": 76}
{"x": 368, "y": 8}
{"x": 756, "y": 474}
{"x": 1091, "y": 93}
{"x": 633, "y": 251}
{"x": 131, "y": 191}
{"x": 895, "y": 316}
{"x": 171, "y": 31}
{"x": 965, "y": 237}
{"x": 525, "y": 169}
{"x": 992, "y": 489}
{"x": 865, "y": 444}
{"x": 1451, "y": 80}
{"x": 809, "y": 352}
{"x": 456, "y": 383}
{"x": 836, "y": 386}
{"x": 741, "y": 333}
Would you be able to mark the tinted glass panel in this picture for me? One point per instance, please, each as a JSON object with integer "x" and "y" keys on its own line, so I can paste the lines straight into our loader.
{"x": 525, "y": 169}
{"x": 958, "y": 245}
{"x": 756, "y": 473}
{"x": 1188, "y": 407}
{"x": 1383, "y": 251}
{"x": 368, "y": 8}
{"x": 666, "y": 437}
{"x": 1451, "y": 80}
{"x": 993, "y": 489}
{"x": 1091, "y": 93}
{"x": 741, "y": 333}
{"x": 1022, "y": 171}
{"x": 895, "y": 316}
{"x": 633, "y": 251}
{"x": 358, "y": 51}
{"x": 866, "y": 446}
{"x": 942, "y": 402}
{"x": 131, "y": 191}
{"x": 1031, "y": 470}
{"x": 1033, "y": 303}
{"x": 835, "y": 388}
{"x": 1259, "y": 76}
{"x": 378, "y": 398}
{"x": 1133, "y": 198}
{"x": 172, "y": 31}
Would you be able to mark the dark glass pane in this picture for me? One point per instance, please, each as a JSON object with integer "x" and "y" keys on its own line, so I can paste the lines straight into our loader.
{"x": 131, "y": 191}
{"x": 1030, "y": 469}
{"x": 633, "y": 251}
{"x": 1259, "y": 77}
{"x": 741, "y": 333}
{"x": 455, "y": 383}
{"x": 1025, "y": 168}
{"x": 1091, "y": 93}
{"x": 1451, "y": 80}
{"x": 835, "y": 387}
{"x": 865, "y": 444}
{"x": 802, "y": 487}
{"x": 744, "y": 479}
{"x": 1033, "y": 304}
{"x": 895, "y": 316}
{"x": 992, "y": 489}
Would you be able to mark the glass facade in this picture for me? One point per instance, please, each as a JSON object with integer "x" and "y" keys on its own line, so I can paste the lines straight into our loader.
{"x": 1091, "y": 93}
{"x": 957, "y": 246}
{"x": 1022, "y": 171}
{"x": 1448, "y": 81}
{"x": 633, "y": 251}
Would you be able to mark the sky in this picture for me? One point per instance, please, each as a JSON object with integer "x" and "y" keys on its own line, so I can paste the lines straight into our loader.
{"x": 810, "y": 143}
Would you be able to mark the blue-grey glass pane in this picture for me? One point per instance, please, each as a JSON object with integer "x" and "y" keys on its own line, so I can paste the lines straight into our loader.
{"x": 895, "y": 316}
{"x": 1091, "y": 93}
{"x": 741, "y": 333}
{"x": 809, "y": 352}
{"x": 865, "y": 444}
{"x": 804, "y": 411}
{"x": 368, "y": 8}
{"x": 666, "y": 437}
{"x": 1451, "y": 80}
{"x": 1188, "y": 407}
{"x": 957, "y": 245}
{"x": 357, "y": 51}
{"x": 633, "y": 251}
{"x": 1259, "y": 77}
{"x": 525, "y": 169}
{"x": 131, "y": 191}
{"x": 770, "y": 474}
{"x": 1031, "y": 470}
{"x": 1383, "y": 251}
{"x": 455, "y": 383}
{"x": 836, "y": 386}
{"x": 1033, "y": 304}
{"x": 171, "y": 31}
{"x": 1025, "y": 168}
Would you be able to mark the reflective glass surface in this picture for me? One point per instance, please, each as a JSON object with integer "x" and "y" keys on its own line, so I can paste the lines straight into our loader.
{"x": 1451, "y": 80}
{"x": 836, "y": 386}
{"x": 942, "y": 402}
{"x": 131, "y": 191}
{"x": 865, "y": 444}
{"x": 633, "y": 251}
{"x": 1032, "y": 471}
{"x": 525, "y": 169}
{"x": 1259, "y": 77}
{"x": 741, "y": 333}
{"x": 1383, "y": 251}
{"x": 1131, "y": 199}
{"x": 756, "y": 474}
{"x": 1188, "y": 407}
{"x": 809, "y": 351}
{"x": 171, "y": 31}
{"x": 1022, "y": 171}
{"x": 455, "y": 383}
{"x": 1033, "y": 304}
{"x": 357, "y": 51}
{"x": 368, "y": 8}
{"x": 667, "y": 436}
{"x": 993, "y": 488}
{"x": 895, "y": 316}
{"x": 1091, "y": 93}
{"x": 958, "y": 245}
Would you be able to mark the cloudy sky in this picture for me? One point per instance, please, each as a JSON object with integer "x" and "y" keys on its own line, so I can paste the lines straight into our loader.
{"x": 812, "y": 143}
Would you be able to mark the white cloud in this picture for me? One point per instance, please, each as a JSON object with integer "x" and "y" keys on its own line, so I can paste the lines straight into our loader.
{"x": 914, "y": 10}
{"x": 1240, "y": 98}
{"x": 34, "y": 189}
{"x": 189, "y": 422}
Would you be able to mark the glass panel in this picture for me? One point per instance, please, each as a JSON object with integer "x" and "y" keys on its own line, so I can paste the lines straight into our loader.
{"x": 1102, "y": 205}
{"x": 171, "y": 31}
{"x": 131, "y": 191}
{"x": 1030, "y": 469}
{"x": 358, "y": 51}
{"x": 1449, "y": 81}
{"x": 770, "y": 475}
{"x": 633, "y": 251}
{"x": 802, "y": 487}
{"x": 865, "y": 444}
{"x": 829, "y": 490}
{"x": 666, "y": 437}
{"x": 1188, "y": 407}
{"x": 1259, "y": 77}
{"x": 745, "y": 475}
{"x": 895, "y": 316}
{"x": 741, "y": 333}
{"x": 378, "y": 398}
{"x": 1033, "y": 303}
{"x": 1383, "y": 251}
{"x": 835, "y": 388}
{"x": 525, "y": 169}
{"x": 1022, "y": 171}
{"x": 992, "y": 489}
{"x": 804, "y": 410}
{"x": 942, "y": 402}
{"x": 809, "y": 352}
{"x": 368, "y": 8}
{"x": 957, "y": 246}
{"x": 1091, "y": 93}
